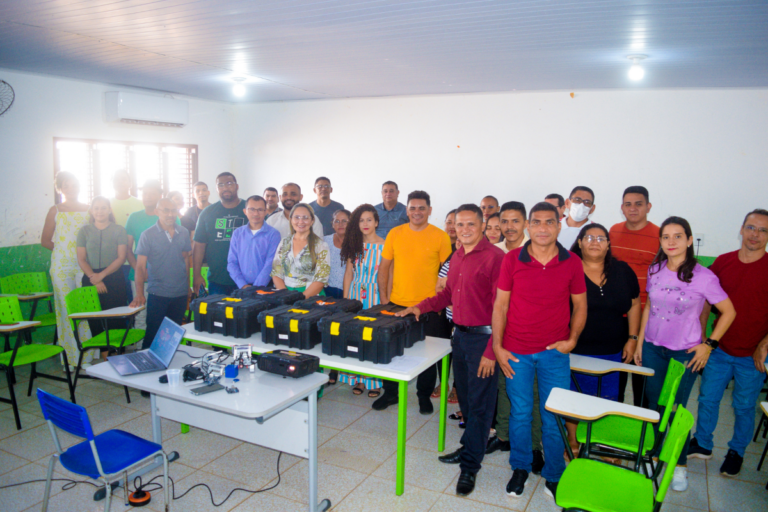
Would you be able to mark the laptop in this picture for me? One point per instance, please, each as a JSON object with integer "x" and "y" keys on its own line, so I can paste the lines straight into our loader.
{"x": 157, "y": 357}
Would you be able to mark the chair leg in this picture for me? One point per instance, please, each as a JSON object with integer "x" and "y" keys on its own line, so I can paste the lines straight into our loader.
{"x": 69, "y": 378}
{"x": 108, "y": 501}
{"x": 763, "y": 418}
{"x": 51, "y": 464}
{"x": 32, "y": 377}
{"x": 77, "y": 369}
{"x": 127, "y": 394}
{"x": 166, "y": 488}
{"x": 9, "y": 378}
{"x": 125, "y": 487}
{"x": 760, "y": 464}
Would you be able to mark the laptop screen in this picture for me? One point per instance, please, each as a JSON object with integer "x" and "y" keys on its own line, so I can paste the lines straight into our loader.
{"x": 167, "y": 340}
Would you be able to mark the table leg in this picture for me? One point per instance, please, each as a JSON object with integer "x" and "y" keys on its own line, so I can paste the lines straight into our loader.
{"x": 184, "y": 428}
{"x": 564, "y": 435}
{"x": 312, "y": 456}
{"x": 443, "y": 404}
{"x": 34, "y": 308}
{"x": 640, "y": 449}
{"x": 402, "y": 416}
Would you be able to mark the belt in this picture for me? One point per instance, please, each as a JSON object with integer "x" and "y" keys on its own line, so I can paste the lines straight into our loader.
{"x": 475, "y": 329}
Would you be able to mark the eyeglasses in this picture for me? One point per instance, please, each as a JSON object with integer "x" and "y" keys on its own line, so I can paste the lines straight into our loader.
{"x": 341, "y": 222}
{"x": 322, "y": 187}
{"x": 256, "y": 210}
{"x": 168, "y": 211}
{"x": 754, "y": 229}
{"x": 578, "y": 200}
{"x": 300, "y": 217}
{"x": 226, "y": 184}
{"x": 593, "y": 238}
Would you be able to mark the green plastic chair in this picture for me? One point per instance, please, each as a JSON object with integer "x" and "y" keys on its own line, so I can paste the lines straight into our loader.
{"x": 594, "y": 486}
{"x": 32, "y": 282}
{"x": 114, "y": 341}
{"x": 623, "y": 434}
{"x": 23, "y": 354}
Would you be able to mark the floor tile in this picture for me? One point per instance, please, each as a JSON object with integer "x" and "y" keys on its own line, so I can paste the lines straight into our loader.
{"x": 695, "y": 496}
{"x": 540, "y": 502}
{"x": 748, "y": 473}
{"x": 35, "y": 443}
{"x": 199, "y": 499}
{"x": 381, "y": 424}
{"x": 142, "y": 427}
{"x": 375, "y": 495}
{"x": 259, "y": 465}
{"x": 9, "y": 462}
{"x": 324, "y": 434}
{"x": 199, "y": 447}
{"x": 422, "y": 469}
{"x": 8, "y": 423}
{"x": 448, "y": 503}
{"x": 333, "y": 483}
{"x": 426, "y": 437}
{"x": 265, "y": 502}
{"x": 728, "y": 495}
{"x": 338, "y": 415}
{"x": 106, "y": 415}
{"x": 358, "y": 453}
{"x": 15, "y": 499}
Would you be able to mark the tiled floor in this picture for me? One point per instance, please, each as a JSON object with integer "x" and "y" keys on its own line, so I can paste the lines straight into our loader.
{"x": 356, "y": 462}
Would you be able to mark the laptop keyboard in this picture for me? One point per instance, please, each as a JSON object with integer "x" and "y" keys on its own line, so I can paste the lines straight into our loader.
{"x": 142, "y": 361}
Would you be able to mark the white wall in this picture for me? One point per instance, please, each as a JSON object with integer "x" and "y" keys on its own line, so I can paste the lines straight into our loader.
{"x": 47, "y": 107}
{"x": 702, "y": 153}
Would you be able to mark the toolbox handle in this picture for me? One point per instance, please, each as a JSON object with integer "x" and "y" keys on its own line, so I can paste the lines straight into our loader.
{"x": 231, "y": 299}
{"x": 262, "y": 292}
{"x": 366, "y": 318}
{"x": 302, "y": 311}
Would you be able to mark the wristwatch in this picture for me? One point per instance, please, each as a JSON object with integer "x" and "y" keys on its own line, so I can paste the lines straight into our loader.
{"x": 633, "y": 338}
{"x": 712, "y": 343}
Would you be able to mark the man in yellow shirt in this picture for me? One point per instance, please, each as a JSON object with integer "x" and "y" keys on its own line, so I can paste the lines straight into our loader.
{"x": 417, "y": 250}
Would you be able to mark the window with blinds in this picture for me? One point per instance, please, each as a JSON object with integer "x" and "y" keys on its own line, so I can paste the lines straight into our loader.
{"x": 95, "y": 162}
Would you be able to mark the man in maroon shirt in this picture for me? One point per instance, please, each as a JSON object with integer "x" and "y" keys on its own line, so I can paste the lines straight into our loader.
{"x": 742, "y": 351}
{"x": 534, "y": 330}
{"x": 470, "y": 289}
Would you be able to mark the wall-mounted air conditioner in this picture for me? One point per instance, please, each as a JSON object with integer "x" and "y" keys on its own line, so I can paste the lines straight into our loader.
{"x": 129, "y": 107}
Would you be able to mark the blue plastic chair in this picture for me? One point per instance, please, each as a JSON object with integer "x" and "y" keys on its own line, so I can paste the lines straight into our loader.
{"x": 103, "y": 457}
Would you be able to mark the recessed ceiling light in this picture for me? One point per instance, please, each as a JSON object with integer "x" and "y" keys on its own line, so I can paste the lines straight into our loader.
{"x": 636, "y": 72}
{"x": 239, "y": 89}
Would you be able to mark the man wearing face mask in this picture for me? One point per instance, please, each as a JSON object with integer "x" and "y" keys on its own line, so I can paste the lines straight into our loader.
{"x": 580, "y": 204}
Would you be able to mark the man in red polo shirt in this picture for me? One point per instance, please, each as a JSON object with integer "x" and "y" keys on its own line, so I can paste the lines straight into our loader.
{"x": 635, "y": 242}
{"x": 534, "y": 330}
{"x": 470, "y": 289}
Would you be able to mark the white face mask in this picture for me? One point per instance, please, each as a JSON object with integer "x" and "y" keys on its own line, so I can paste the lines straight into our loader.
{"x": 578, "y": 212}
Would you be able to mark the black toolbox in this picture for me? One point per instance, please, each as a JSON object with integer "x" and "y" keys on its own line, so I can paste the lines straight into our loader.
{"x": 335, "y": 305}
{"x": 292, "y": 326}
{"x": 366, "y": 338}
{"x": 415, "y": 328}
{"x": 199, "y": 307}
{"x": 235, "y": 317}
{"x": 271, "y": 295}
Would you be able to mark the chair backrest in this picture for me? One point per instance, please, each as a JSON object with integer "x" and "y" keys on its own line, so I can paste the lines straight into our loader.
{"x": 10, "y": 310}
{"x": 668, "y": 394}
{"x": 69, "y": 417}
{"x": 673, "y": 447}
{"x": 28, "y": 282}
{"x": 82, "y": 300}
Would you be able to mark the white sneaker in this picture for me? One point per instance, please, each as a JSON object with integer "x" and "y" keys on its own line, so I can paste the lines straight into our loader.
{"x": 680, "y": 479}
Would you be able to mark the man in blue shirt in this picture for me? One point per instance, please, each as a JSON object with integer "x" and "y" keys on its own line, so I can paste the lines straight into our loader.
{"x": 253, "y": 247}
{"x": 391, "y": 212}
{"x": 324, "y": 207}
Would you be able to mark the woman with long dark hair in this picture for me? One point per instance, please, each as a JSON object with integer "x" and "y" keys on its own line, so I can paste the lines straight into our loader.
{"x": 361, "y": 250}
{"x": 302, "y": 261}
{"x": 493, "y": 229}
{"x": 678, "y": 287}
{"x": 101, "y": 251}
{"x": 613, "y": 312}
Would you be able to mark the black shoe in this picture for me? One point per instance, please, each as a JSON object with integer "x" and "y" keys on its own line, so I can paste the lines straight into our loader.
{"x": 495, "y": 444}
{"x": 451, "y": 458}
{"x": 732, "y": 464}
{"x": 516, "y": 484}
{"x": 466, "y": 483}
{"x": 697, "y": 452}
{"x": 550, "y": 489}
{"x": 538, "y": 462}
{"x": 425, "y": 405}
{"x": 145, "y": 394}
{"x": 462, "y": 424}
{"x": 384, "y": 401}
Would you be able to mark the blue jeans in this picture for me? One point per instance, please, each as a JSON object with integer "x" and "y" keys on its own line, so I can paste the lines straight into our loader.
{"x": 160, "y": 307}
{"x": 658, "y": 358}
{"x": 552, "y": 370}
{"x": 220, "y": 289}
{"x": 747, "y": 385}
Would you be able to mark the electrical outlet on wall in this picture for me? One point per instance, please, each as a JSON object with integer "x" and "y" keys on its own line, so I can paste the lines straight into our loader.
{"x": 698, "y": 239}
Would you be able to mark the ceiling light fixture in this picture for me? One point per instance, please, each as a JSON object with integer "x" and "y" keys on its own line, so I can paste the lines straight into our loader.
{"x": 636, "y": 72}
{"x": 239, "y": 89}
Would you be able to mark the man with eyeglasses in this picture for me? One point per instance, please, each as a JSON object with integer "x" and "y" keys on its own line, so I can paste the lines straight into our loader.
{"x": 324, "y": 207}
{"x": 534, "y": 330}
{"x": 742, "y": 353}
{"x": 214, "y": 233}
{"x": 489, "y": 205}
{"x": 163, "y": 263}
{"x": 580, "y": 205}
{"x": 253, "y": 247}
{"x": 291, "y": 194}
{"x": 635, "y": 241}
{"x": 417, "y": 250}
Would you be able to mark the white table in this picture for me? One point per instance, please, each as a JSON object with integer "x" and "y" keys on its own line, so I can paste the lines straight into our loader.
{"x": 269, "y": 410}
{"x": 599, "y": 367}
{"x": 588, "y": 408}
{"x": 431, "y": 350}
{"x": 109, "y": 313}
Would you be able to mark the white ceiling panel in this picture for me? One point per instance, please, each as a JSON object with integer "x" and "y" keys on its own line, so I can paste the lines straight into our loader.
{"x": 306, "y": 49}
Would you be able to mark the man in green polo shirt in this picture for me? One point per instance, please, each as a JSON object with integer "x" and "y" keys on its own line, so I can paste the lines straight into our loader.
{"x": 213, "y": 233}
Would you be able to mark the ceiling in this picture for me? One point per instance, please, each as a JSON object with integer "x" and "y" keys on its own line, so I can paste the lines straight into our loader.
{"x": 308, "y": 49}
